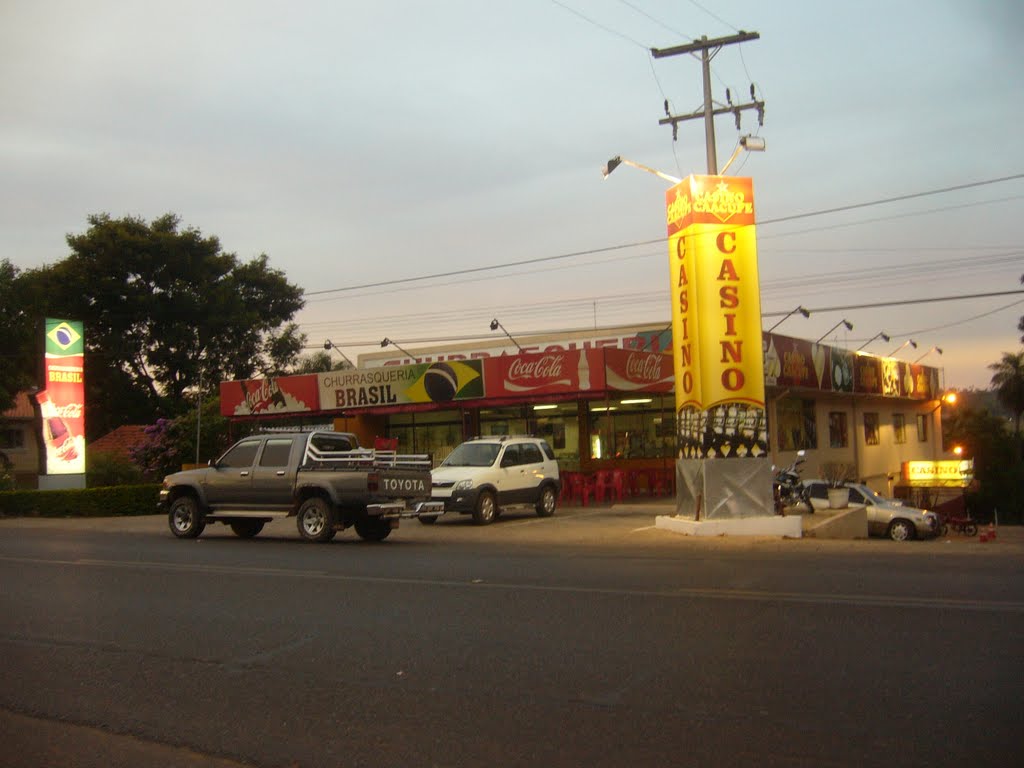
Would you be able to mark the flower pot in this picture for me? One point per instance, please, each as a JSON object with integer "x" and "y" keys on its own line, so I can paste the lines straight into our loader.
{"x": 838, "y": 498}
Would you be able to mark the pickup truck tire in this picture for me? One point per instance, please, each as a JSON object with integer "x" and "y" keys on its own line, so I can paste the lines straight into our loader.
{"x": 486, "y": 509}
{"x": 247, "y": 528}
{"x": 316, "y": 520}
{"x": 373, "y": 529}
{"x": 184, "y": 519}
{"x": 546, "y": 502}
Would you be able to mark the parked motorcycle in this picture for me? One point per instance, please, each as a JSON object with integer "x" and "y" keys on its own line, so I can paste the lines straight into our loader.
{"x": 788, "y": 489}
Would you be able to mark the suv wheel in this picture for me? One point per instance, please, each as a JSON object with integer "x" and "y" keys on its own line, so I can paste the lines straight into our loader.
{"x": 547, "y": 501}
{"x": 486, "y": 509}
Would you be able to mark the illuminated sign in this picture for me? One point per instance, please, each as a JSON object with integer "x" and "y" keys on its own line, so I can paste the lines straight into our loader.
{"x": 954, "y": 472}
{"x": 62, "y": 402}
{"x": 716, "y": 318}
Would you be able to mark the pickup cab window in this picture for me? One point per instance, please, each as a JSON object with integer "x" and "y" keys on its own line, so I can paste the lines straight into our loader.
{"x": 242, "y": 455}
{"x": 276, "y": 452}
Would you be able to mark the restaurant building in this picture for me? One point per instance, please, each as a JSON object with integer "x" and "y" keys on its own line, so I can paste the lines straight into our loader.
{"x": 604, "y": 399}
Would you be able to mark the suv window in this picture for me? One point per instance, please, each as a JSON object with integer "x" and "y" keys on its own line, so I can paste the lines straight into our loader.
{"x": 512, "y": 456}
{"x": 242, "y": 455}
{"x": 531, "y": 454}
{"x": 276, "y": 452}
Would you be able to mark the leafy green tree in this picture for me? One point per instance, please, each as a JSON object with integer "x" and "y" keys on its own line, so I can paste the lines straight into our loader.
{"x": 166, "y": 312}
{"x": 320, "y": 362}
{"x": 19, "y": 330}
{"x": 1008, "y": 382}
{"x": 171, "y": 443}
{"x": 997, "y": 469}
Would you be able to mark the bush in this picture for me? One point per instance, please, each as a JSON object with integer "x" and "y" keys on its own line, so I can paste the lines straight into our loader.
{"x": 124, "y": 500}
{"x": 106, "y": 469}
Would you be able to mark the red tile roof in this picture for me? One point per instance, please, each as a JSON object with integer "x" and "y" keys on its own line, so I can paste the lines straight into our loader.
{"x": 22, "y": 408}
{"x": 119, "y": 441}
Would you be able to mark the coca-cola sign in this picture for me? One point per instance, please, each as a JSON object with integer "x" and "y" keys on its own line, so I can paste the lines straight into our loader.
{"x": 285, "y": 394}
{"x": 530, "y": 373}
{"x": 631, "y": 371}
{"x": 545, "y": 373}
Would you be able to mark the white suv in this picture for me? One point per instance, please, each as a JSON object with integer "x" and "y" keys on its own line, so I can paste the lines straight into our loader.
{"x": 486, "y": 474}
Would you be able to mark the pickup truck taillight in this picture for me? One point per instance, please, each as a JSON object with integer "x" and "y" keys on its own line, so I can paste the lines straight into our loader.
{"x": 373, "y": 482}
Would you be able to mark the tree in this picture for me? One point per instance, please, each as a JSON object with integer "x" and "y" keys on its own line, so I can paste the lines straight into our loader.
{"x": 997, "y": 469}
{"x": 320, "y": 362}
{"x": 166, "y": 310}
{"x": 19, "y": 330}
{"x": 1008, "y": 382}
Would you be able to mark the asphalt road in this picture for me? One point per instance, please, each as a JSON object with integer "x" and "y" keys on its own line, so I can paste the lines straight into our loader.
{"x": 587, "y": 639}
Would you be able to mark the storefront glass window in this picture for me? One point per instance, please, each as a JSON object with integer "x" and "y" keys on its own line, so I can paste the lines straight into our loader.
{"x": 797, "y": 427}
{"x": 632, "y": 428}
{"x": 433, "y": 432}
{"x": 922, "y": 428}
{"x": 555, "y": 422}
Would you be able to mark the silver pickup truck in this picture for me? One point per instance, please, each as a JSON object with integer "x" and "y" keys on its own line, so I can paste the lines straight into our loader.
{"x": 323, "y": 479}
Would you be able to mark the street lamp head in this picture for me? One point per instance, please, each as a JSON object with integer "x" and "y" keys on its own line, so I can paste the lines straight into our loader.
{"x": 804, "y": 312}
{"x": 884, "y": 336}
{"x": 494, "y": 324}
{"x": 752, "y": 143}
{"x": 612, "y": 164}
{"x": 913, "y": 344}
{"x": 385, "y": 342}
{"x": 328, "y": 345}
{"x": 848, "y": 324}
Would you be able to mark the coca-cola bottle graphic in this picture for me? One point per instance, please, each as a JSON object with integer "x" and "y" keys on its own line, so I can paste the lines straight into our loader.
{"x": 55, "y": 430}
{"x": 584, "y": 370}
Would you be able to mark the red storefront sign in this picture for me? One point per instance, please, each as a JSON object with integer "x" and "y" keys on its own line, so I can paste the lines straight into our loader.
{"x": 634, "y": 371}
{"x": 266, "y": 397}
{"x": 547, "y": 373}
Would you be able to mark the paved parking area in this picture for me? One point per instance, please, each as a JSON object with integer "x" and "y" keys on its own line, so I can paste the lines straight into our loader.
{"x": 629, "y": 524}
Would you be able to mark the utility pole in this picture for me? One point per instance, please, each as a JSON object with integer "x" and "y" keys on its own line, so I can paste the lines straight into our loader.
{"x": 708, "y": 49}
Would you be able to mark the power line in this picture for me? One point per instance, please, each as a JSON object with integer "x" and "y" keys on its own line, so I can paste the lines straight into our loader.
{"x": 636, "y": 244}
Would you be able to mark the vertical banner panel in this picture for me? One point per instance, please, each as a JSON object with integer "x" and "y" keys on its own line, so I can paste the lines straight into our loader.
{"x": 62, "y": 402}
{"x": 716, "y": 318}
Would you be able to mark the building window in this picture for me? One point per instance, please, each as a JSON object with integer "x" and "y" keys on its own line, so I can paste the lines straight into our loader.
{"x": 797, "y": 427}
{"x": 12, "y": 439}
{"x": 922, "y": 428}
{"x": 870, "y": 429}
{"x": 838, "y": 434}
{"x": 899, "y": 428}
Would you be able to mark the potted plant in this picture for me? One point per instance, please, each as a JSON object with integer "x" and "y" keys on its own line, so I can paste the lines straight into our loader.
{"x": 836, "y": 474}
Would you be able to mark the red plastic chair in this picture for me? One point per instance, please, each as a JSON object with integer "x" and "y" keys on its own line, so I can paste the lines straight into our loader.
{"x": 618, "y": 484}
{"x": 566, "y": 479}
{"x": 633, "y": 482}
{"x": 582, "y": 487}
{"x": 385, "y": 443}
{"x": 602, "y": 484}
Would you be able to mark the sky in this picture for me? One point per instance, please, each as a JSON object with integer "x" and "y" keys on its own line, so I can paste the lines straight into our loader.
{"x": 421, "y": 168}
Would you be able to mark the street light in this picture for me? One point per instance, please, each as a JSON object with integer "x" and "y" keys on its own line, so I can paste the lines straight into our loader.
{"x": 880, "y": 335}
{"x": 933, "y": 349}
{"x": 616, "y": 161}
{"x": 495, "y": 325}
{"x": 911, "y": 342}
{"x": 801, "y": 310}
{"x": 329, "y": 345}
{"x": 395, "y": 345}
{"x": 748, "y": 143}
{"x": 847, "y": 323}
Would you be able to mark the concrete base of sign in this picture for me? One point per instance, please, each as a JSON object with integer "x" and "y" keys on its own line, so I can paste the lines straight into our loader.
{"x": 60, "y": 482}
{"x": 776, "y": 525}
